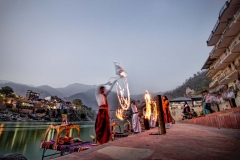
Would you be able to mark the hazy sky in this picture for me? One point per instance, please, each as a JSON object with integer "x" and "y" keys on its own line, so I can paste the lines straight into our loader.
{"x": 160, "y": 43}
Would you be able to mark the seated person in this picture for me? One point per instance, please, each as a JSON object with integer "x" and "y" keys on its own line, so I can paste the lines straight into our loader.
{"x": 192, "y": 114}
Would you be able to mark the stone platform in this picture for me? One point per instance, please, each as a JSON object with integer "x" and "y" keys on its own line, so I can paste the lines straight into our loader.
{"x": 182, "y": 141}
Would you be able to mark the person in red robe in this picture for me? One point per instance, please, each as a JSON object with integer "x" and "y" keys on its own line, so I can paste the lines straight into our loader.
{"x": 102, "y": 123}
{"x": 167, "y": 115}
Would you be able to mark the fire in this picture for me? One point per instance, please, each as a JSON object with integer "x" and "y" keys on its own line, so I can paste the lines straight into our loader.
{"x": 148, "y": 105}
{"x": 154, "y": 109}
{"x": 119, "y": 114}
{"x": 124, "y": 101}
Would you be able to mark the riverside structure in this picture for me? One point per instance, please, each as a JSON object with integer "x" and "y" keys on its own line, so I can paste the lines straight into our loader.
{"x": 223, "y": 62}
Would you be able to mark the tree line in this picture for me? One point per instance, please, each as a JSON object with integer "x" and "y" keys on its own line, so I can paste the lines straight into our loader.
{"x": 199, "y": 82}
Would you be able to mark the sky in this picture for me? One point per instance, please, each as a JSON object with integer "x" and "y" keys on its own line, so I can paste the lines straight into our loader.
{"x": 159, "y": 43}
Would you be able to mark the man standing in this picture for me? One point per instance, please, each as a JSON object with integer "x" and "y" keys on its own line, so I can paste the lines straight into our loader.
{"x": 102, "y": 123}
{"x": 208, "y": 101}
{"x": 231, "y": 97}
{"x": 135, "y": 118}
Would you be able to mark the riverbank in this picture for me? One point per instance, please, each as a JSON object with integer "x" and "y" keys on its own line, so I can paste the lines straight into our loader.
{"x": 26, "y": 137}
{"x": 182, "y": 141}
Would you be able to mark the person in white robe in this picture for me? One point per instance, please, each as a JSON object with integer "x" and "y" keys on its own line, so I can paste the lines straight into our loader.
{"x": 135, "y": 118}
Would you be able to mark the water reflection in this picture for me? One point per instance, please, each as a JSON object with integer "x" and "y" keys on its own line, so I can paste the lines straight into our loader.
{"x": 1, "y": 128}
{"x": 26, "y": 137}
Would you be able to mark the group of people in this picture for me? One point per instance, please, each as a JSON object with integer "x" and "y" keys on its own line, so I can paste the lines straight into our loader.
{"x": 187, "y": 112}
{"x": 102, "y": 123}
{"x": 212, "y": 98}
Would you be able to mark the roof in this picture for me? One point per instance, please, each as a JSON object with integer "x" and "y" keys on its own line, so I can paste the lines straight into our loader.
{"x": 180, "y": 99}
{"x": 197, "y": 98}
{"x": 208, "y": 62}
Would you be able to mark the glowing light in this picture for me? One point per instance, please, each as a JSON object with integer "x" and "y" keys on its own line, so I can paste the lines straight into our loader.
{"x": 119, "y": 114}
{"x": 148, "y": 105}
{"x": 154, "y": 109}
{"x": 123, "y": 93}
{"x": 124, "y": 101}
{"x": 1, "y": 128}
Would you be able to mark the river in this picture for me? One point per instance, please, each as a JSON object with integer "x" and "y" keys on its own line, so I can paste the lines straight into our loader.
{"x": 26, "y": 137}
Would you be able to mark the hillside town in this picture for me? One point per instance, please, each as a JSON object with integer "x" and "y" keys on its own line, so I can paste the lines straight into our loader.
{"x": 30, "y": 107}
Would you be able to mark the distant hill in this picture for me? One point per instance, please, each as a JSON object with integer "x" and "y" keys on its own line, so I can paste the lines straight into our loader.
{"x": 21, "y": 89}
{"x": 4, "y": 81}
{"x": 88, "y": 99}
{"x": 75, "y": 88}
{"x": 198, "y": 83}
{"x": 52, "y": 91}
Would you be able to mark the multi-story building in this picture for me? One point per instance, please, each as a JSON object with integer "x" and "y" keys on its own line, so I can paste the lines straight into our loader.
{"x": 223, "y": 62}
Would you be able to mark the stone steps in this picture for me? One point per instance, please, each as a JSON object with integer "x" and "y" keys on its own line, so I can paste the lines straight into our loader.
{"x": 224, "y": 119}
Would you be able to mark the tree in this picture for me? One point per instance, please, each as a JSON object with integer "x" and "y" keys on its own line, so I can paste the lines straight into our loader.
{"x": 78, "y": 103}
{"x": 8, "y": 91}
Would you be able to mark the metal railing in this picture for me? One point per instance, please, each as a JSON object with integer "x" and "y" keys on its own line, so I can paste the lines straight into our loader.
{"x": 224, "y": 7}
{"x": 210, "y": 37}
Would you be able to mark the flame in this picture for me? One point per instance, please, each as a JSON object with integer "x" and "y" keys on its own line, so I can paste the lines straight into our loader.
{"x": 123, "y": 101}
{"x": 119, "y": 114}
{"x": 148, "y": 105}
{"x": 154, "y": 107}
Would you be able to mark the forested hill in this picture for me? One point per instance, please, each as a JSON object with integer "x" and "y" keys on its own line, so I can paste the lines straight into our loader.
{"x": 198, "y": 83}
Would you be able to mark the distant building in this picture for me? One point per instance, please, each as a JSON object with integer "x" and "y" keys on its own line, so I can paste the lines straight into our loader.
{"x": 223, "y": 62}
{"x": 30, "y": 95}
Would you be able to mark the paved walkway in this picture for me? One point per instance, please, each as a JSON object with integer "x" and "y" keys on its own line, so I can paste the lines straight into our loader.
{"x": 182, "y": 141}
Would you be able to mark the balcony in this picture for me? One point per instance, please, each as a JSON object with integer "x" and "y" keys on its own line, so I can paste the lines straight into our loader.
{"x": 235, "y": 46}
{"x": 233, "y": 28}
{"x": 221, "y": 77}
{"x": 211, "y": 73}
{"x": 214, "y": 83}
{"x": 217, "y": 64}
{"x": 230, "y": 32}
{"x": 226, "y": 12}
{"x": 229, "y": 76}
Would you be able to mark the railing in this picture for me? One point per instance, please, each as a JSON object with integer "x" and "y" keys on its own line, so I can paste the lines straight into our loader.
{"x": 235, "y": 41}
{"x": 224, "y": 7}
{"x": 229, "y": 72}
{"x": 217, "y": 63}
{"x": 211, "y": 53}
{"x": 210, "y": 37}
{"x": 222, "y": 75}
{"x": 229, "y": 24}
{"x": 224, "y": 55}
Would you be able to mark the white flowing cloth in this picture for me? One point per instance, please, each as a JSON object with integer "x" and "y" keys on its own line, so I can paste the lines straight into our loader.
{"x": 135, "y": 119}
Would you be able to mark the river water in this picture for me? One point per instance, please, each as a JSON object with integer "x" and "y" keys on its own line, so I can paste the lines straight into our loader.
{"x": 26, "y": 137}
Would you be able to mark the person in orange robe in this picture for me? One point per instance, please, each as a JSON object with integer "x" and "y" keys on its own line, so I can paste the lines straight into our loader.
{"x": 167, "y": 115}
